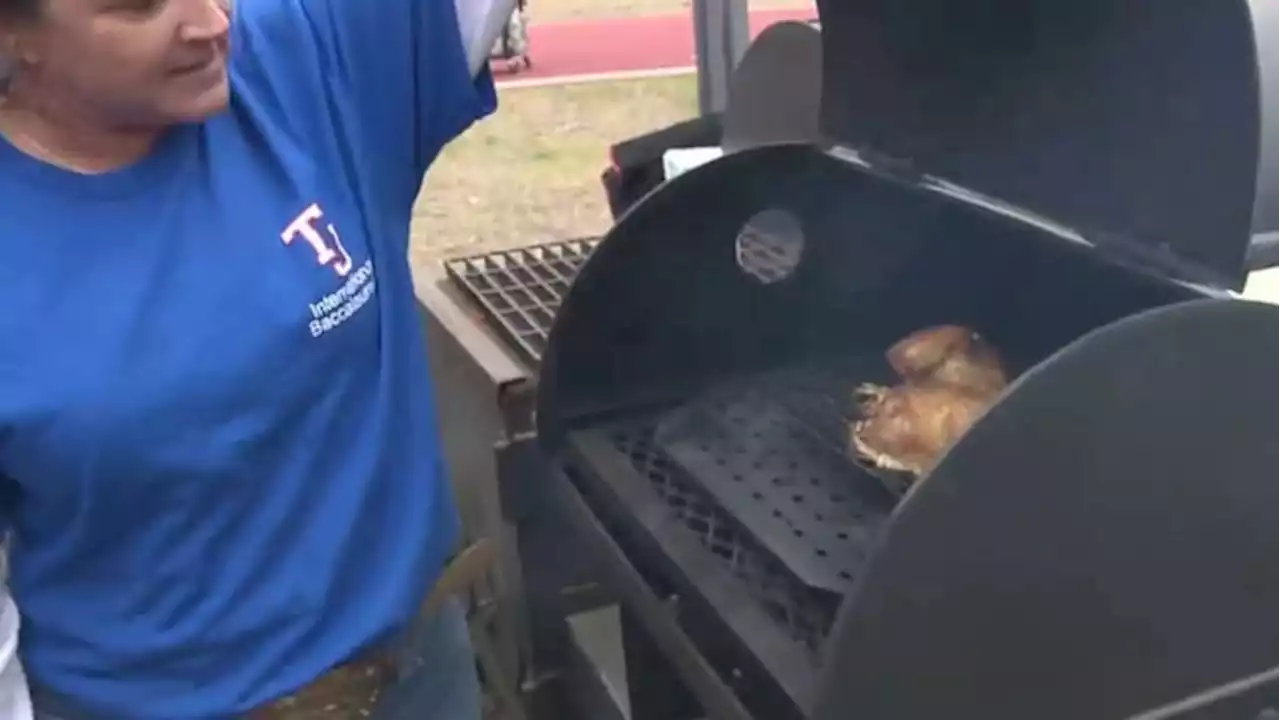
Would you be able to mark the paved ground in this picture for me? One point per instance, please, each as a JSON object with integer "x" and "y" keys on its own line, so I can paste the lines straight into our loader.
{"x": 591, "y": 47}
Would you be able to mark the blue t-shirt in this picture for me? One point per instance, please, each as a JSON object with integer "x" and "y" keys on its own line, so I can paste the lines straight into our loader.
{"x": 217, "y": 430}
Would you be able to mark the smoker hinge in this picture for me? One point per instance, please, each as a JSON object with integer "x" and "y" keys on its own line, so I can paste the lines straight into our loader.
{"x": 898, "y": 168}
{"x": 1160, "y": 259}
{"x": 902, "y": 169}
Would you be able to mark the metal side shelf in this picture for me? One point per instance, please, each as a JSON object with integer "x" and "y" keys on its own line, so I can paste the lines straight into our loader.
{"x": 520, "y": 290}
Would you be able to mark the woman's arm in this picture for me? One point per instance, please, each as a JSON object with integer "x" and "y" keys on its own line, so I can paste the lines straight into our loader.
{"x": 384, "y": 83}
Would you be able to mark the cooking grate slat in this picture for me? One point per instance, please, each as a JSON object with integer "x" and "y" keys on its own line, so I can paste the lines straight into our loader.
{"x": 520, "y": 290}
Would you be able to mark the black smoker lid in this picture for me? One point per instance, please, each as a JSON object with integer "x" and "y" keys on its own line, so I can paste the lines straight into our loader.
{"x": 775, "y": 93}
{"x": 1140, "y": 122}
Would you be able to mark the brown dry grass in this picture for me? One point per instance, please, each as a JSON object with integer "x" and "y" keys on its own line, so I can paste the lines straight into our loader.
{"x": 531, "y": 173}
{"x": 558, "y": 10}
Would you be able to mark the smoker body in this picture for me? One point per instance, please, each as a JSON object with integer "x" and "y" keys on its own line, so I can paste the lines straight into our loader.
{"x": 541, "y": 621}
{"x": 982, "y": 169}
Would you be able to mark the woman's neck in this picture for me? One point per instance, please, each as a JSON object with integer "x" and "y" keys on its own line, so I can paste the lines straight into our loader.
{"x": 76, "y": 146}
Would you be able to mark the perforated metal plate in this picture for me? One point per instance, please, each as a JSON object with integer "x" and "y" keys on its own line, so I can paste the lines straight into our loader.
{"x": 803, "y": 501}
{"x": 805, "y": 615}
{"x": 822, "y": 401}
{"x": 730, "y": 465}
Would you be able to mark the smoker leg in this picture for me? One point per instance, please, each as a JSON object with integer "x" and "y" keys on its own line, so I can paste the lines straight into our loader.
{"x": 654, "y": 690}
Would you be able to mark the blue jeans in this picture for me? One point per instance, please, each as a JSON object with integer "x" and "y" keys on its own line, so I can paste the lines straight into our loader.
{"x": 437, "y": 672}
{"x": 437, "y": 675}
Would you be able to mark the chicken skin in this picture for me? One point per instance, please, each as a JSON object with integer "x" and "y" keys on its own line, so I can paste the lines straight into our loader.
{"x": 948, "y": 355}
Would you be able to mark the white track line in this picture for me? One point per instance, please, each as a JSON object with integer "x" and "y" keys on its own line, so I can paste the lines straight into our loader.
{"x": 516, "y": 82}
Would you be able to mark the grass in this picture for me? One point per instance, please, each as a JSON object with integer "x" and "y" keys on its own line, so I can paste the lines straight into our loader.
{"x": 559, "y": 10}
{"x": 531, "y": 173}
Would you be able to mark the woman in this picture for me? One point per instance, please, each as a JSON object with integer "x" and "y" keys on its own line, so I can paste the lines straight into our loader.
{"x": 217, "y": 440}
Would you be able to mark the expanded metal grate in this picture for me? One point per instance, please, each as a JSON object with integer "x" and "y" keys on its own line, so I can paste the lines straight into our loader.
{"x": 521, "y": 290}
{"x": 758, "y": 470}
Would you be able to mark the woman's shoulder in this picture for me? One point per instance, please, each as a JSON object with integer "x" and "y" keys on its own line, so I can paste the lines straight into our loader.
{"x": 281, "y": 84}
{"x": 276, "y": 57}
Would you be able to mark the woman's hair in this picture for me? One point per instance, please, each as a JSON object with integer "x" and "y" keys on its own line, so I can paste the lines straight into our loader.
{"x": 18, "y": 8}
{"x": 13, "y": 10}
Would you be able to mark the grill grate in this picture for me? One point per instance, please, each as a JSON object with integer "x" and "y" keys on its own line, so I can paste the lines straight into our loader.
{"x": 806, "y": 504}
{"x": 521, "y": 290}
{"x": 757, "y": 469}
{"x": 806, "y": 615}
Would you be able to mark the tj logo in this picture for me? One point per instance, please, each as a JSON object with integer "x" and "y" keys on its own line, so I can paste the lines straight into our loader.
{"x": 329, "y": 250}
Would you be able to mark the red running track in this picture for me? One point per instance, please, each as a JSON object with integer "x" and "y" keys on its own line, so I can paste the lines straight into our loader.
{"x": 591, "y": 47}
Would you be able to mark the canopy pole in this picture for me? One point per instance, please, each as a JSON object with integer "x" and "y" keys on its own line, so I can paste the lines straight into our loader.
{"x": 721, "y": 35}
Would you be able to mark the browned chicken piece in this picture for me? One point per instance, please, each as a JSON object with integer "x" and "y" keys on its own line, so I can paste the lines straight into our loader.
{"x": 950, "y": 376}
{"x": 948, "y": 355}
{"x": 907, "y": 428}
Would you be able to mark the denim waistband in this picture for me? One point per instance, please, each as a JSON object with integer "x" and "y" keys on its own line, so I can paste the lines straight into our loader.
{"x": 405, "y": 647}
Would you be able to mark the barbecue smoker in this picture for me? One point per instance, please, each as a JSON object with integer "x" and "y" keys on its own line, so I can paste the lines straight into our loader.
{"x": 1076, "y": 181}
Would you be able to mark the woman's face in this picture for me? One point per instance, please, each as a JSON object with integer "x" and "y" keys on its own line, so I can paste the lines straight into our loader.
{"x": 131, "y": 62}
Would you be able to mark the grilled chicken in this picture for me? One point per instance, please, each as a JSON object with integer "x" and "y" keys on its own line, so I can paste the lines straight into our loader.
{"x": 950, "y": 376}
{"x": 907, "y": 428}
{"x": 948, "y": 355}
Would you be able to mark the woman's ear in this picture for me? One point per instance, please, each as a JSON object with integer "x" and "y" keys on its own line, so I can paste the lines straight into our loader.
{"x": 8, "y": 63}
{"x": 21, "y": 51}
{"x": 12, "y": 49}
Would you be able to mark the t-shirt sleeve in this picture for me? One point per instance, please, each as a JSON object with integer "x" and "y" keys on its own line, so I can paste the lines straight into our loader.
{"x": 393, "y": 80}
